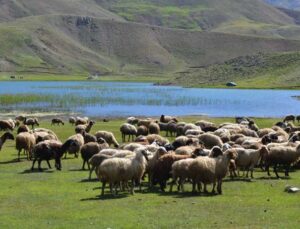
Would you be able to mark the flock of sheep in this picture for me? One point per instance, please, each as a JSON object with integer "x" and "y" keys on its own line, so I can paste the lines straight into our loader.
{"x": 202, "y": 153}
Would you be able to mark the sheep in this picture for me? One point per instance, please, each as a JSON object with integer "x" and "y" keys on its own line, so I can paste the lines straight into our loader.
{"x": 210, "y": 140}
{"x": 162, "y": 170}
{"x": 172, "y": 128}
{"x": 57, "y": 121}
{"x": 152, "y": 162}
{"x": 79, "y": 129}
{"x": 206, "y": 126}
{"x": 23, "y": 128}
{"x": 26, "y": 141}
{"x": 20, "y": 118}
{"x": 298, "y": 118}
{"x": 144, "y": 122}
{"x": 116, "y": 170}
{"x": 43, "y": 135}
{"x": 72, "y": 120}
{"x": 289, "y": 118}
{"x": 180, "y": 169}
{"x": 265, "y": 131}
{"x": 5, "y": 125}
{"x": 193, "y": 132}
{"x": 108, "y": 137}
{"x": 248, "y": 132}
{"x": 90, "y": 149}
{"x": 81, "y": 121}
{"x": 154, "y": 128}
{"x": 4, "y": 137}
{"x": 211, "y": 170}
{"x": 183, "y": 141}
{"x": 128, "y": 129}
{"x": 132, "y": 120}
{"x": 166, "y": 119}
{"x": 142, "y": 130}
{"x": 281, "y": 155}
{"x": 31, "y": 122}
{"x": 50, "y": 149}
{"x": 97, "y": 159}
{"x": 155, "y": 138}
{"x": 249, "y": 158}
{"x": 74, "y": 149}
{"x": 89, "y": 138}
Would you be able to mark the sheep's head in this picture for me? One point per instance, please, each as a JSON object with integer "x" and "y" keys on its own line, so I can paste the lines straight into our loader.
{"x": 198, "y": 152}
{"x": 231, "y": 154}
{"x": 145, "y": 154}
{"x": 101, "y": 140}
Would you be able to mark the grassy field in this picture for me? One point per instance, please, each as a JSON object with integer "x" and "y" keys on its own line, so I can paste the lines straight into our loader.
{"x": 65, "y": 199}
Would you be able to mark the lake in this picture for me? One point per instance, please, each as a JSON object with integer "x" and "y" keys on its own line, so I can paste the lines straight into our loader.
{"x": 143, "y": 99}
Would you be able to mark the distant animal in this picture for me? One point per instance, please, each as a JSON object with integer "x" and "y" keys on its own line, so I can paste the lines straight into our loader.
{"x": 57, "y": 121}
{"x": 289, "y": 118}
{"x": 31, "y": 122}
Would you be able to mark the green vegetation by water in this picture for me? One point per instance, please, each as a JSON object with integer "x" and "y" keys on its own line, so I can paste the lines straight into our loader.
{"x": 53, "y": 199}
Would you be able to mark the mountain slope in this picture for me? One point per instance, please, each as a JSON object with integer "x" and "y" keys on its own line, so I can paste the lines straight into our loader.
{"x": 288, "y": 4}
{"x": 12, "y": 9}
{"x": 69, "y": 44}
{"x": 195, "y": 14}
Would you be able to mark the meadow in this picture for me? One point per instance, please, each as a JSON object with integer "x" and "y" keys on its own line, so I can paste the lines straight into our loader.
{"x": 65, "y": 199}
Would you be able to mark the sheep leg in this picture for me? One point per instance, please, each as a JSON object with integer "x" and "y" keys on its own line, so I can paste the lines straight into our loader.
{"x": 48, "y": 164}
{"x": 199, "y": 186}
{"x": 213, "y": 189}
{"x": 39, "y": 165}
{"x": 32, "y": 167}
{"x": 89, "y": 167}
{"x": 132, "y": 186}
{"x": 205, "y": 189}
{"x": 171, "y": 185}
{"x": 103, "y": 187}
{"x": 287, "y": 170}
{"x": 91, "y": 170}
{"x": 275, "y": 171}
{"x": 219, "y": 187}
{"x": 83, "y": 165}
{"x": 194, "y": 186}
{"x": 19, "y": 155}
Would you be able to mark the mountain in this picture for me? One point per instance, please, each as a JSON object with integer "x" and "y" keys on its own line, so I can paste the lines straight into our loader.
{"x": 110, "y": 38}
{"x": 288, "y": 4}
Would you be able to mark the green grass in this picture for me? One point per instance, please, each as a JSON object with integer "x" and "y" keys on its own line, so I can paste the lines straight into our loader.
{"x": 53, "y": 199}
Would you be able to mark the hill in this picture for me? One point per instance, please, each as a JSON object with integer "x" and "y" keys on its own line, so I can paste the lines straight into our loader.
{"x": 288, "y": 4}
{"x": 133, "y": 38}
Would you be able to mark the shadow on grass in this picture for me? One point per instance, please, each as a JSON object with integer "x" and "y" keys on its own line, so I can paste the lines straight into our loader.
{"x": 77, "y": 170}
{"x": 273, "y": 178}
{"x": 239, "y": 179}
{"x": 89, "y": 181}
{"x": 10, "y": 162}
{"x": 107, "y": 196}
{"x": 27, "y": 171}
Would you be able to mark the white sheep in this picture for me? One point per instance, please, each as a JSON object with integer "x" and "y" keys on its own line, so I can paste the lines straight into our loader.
{"x": 117, "y": 170}
{"x": 108, "y": 137}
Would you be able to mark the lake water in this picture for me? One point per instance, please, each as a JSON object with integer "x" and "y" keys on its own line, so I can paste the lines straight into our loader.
{"x": 143, "y": 99}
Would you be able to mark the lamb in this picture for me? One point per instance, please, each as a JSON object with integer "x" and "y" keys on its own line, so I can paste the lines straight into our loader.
{"x": 210, "y": 140}
{"x": 75, "y": 148}
{"x": 108, "y": 137}
{"x": 128, "y": 129}
{"x": 116, "y": 170}
{"x": 166, "y": 119}
{"x": 211, "y": 170}
{"x": 162, "y": 169}
{"x": 31, "y": 122}
{"x": 79, "y": 129}
{"x": 154, "y": 128}
{"x": 72, "y": 120}
{"x": 23, "y": 128}
{"x": 5, "y": 125}
{"x": 50, "y": 149}
{"x": 281, "y": 155}
{"x": 249, "y": 158}
{"x": 57, "y": 121}
{"x": 4, "y": 137}
{"x": 90, "y": 149}
{"x": 142, "y": 130}
{"x": 26, "y": 141}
